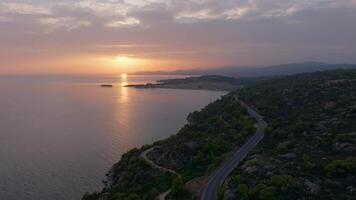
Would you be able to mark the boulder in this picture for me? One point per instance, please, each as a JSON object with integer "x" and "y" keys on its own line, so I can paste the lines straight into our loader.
{"x": 312, "y": 187}
{"x": 251, "y": 169}
{"x": 289, "y": 155}
{"x": 229, "y": 194}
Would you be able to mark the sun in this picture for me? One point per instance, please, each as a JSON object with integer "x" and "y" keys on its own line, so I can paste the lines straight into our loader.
{"x": 123, "y": 60}
{"x": 124, "y": 75}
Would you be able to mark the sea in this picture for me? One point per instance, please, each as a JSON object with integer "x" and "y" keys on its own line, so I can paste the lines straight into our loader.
{"x": 59, "y": 135}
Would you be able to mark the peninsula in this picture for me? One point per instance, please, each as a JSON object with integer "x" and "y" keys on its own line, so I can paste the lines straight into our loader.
{"x": 208, "y": 82}
{"x": 308, "y": 150}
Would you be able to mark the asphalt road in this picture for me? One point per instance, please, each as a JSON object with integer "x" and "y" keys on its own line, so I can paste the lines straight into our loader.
{"x": 211, "y": 189}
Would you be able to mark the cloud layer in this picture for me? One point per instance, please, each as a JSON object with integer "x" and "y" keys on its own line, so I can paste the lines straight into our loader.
{"x": 40, "y": 35}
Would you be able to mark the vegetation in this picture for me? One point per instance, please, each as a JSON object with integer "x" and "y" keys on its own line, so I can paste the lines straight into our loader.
{"x": 310, "y": 146}
{"x": 209, "y": 82}
{"x": 308, "y": 151}
{"x": 194, "y": 151}
{"x": 133, "y": 178}
{"x": 210, "y": 78}
{"x": 197, "y": 148}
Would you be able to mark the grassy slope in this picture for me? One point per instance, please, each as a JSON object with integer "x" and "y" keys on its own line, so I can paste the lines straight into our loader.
{"x": 310, "y": 147}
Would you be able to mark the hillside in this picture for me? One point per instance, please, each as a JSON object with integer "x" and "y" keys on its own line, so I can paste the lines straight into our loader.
{"x": 309, "y": 151}
{"x": 197, "y": 149}
{"x": 209, "y": 82}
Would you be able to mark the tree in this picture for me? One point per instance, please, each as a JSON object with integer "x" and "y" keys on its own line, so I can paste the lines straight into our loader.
{"x": 221, "y": 192}
{"x": 268, "y": 193}
{"x": 243, "y": 191}
{"x": 177, "y": 185}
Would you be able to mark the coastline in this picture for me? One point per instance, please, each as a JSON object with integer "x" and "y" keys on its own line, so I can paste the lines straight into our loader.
{"x": 211, "y": 83}
{"x": 114, "y": 176}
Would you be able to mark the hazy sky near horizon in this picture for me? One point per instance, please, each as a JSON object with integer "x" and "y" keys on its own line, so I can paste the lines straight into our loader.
{"x": 115, "y": 36}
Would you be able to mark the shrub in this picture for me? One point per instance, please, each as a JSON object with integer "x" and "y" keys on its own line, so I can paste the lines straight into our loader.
{"x": 341, "y": 167}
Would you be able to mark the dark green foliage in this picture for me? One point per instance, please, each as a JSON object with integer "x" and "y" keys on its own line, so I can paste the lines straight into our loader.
{"x": 341, "y": 167}
{"x": 243, "y": 191}
{"x": 133, "y": 178}
{"x": 208, "y": 78}
{"x": 196, "y": 150}
{"x": 310, "y": 138}
{"x": 221, "y": 192}
{"x": 308, "y": 162}
{"x": 179, "y": 192}
{"x": 218, "y": 128}
{"x": 177, "y": 185}
{"x": 276, "y": 187}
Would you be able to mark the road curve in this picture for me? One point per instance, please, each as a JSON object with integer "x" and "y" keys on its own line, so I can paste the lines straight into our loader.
{"x": 210, "y": 190}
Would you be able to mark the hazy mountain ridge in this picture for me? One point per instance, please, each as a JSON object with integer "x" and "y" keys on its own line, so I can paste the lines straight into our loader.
{"x": 254, "y": 71}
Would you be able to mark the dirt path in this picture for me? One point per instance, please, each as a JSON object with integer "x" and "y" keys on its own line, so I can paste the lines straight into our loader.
{"x": 163, "y": 195}
{"x": 154, "y": 165}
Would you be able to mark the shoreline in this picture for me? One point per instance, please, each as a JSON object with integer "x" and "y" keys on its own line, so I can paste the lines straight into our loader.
{"x": 211, "y": 83}
{"x": 158, "y": 151}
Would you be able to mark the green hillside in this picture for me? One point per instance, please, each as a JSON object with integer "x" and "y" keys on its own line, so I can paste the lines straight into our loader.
{"x": 195, "y": 151}
{"x": 309, "y": 151}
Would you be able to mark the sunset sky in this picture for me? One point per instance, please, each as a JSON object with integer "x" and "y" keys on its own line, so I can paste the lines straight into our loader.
{"x": 116, "y": 36}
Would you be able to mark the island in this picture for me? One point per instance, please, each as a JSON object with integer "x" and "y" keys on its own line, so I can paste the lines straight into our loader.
{"x": 106, "y": 85}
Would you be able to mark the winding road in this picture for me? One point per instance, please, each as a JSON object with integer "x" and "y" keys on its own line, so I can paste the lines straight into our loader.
{"x": 211, "y": 189}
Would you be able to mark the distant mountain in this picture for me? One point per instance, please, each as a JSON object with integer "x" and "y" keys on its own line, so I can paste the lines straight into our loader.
{"x": 250, "y": 71}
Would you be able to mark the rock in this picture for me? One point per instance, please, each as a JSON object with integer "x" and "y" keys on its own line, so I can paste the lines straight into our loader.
{"x": 348, "y": 147}
{"x": 251, "y": 169}
{"x": 229, "y": 194}
{"x": 289, "y": 155}
{"x": 284, "y": 144}
{"x": 312, "y": 187}
{"x": 192, "y": 145}
{"x": 331, "y": 182}
{"x": 270, "y": 173}
{"x": 351, "y": 190}
{"x": 351, "y": 134}
{"x": 340, "y": 146}
{"x": 269, "y": 167}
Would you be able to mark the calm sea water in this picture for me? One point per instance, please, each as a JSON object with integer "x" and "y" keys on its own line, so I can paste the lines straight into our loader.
{"x": 60, "y": 135}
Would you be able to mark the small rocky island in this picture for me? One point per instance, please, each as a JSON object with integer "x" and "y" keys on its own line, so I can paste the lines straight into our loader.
{"x": 106, "y": 85}
{"x": 209, "y": 82}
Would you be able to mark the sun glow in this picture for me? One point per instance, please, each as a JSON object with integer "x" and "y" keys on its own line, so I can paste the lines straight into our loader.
{"x": 124, "y": 75}
{"x": 123, "y": 60}
{"x": 121, "y": 64}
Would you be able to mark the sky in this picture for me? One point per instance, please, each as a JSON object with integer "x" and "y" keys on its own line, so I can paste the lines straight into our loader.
{"x": 119, "y": 36}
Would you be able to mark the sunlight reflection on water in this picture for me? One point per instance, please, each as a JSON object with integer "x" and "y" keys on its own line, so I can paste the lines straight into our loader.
{"x": 60, "y": 135}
